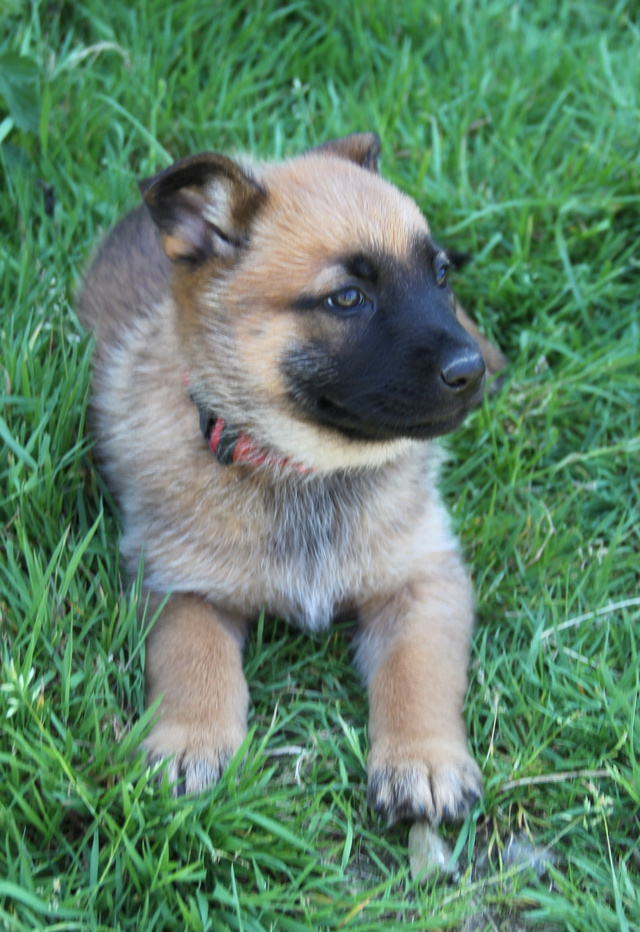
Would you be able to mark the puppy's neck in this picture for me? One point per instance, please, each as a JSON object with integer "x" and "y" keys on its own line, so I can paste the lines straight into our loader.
{"x": 230, "y": 445}
{"x": 233, "y": 445}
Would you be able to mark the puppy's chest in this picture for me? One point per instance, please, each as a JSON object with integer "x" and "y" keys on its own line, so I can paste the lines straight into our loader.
{"x": 314, "y": 544}
{"x": 302, "y": 550}
{"x": 308, "y": 532}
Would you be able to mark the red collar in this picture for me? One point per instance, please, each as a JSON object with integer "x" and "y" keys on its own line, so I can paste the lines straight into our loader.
{"x": 230, "y": 445}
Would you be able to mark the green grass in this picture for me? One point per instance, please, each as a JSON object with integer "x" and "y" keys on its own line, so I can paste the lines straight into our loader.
{"x": 516, "y": 126}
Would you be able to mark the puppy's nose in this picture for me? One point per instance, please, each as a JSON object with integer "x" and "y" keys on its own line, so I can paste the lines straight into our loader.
{"x": 463, "y": 373}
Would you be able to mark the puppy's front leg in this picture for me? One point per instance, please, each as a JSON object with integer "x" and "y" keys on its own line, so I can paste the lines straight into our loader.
{"x": 413, "y": 649}
{"x": 194, "y": 662}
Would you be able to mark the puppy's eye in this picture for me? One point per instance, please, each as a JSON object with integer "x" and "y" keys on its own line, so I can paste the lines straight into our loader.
{"x": 440, "y": 267}
{"x": 349, "y": 299}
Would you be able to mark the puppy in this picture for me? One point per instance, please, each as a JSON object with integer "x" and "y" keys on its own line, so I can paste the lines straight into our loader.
{"x": 276, "y": 346}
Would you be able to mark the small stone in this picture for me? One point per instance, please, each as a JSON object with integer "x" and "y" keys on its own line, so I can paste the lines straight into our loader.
{"x": 520, "y": 852}
{"x": 429, "y": 853}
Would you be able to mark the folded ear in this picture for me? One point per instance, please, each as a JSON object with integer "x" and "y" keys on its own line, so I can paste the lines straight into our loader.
{"x": 203, "y": 207}
{"x": 361, "y": 148}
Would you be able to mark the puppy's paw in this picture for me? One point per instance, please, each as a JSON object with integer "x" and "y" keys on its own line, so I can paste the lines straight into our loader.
{"x": 433, "y": 780}
{"x": 197, "y": 757}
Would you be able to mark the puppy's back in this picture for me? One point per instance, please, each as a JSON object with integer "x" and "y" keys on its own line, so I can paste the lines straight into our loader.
{"x": 129, "y": 276}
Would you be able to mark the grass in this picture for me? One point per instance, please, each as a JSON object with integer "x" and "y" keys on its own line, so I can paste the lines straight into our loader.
{"x": 517, "y": 128}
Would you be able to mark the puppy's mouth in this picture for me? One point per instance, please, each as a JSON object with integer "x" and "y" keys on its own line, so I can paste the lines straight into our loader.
{"x": 389, "y": 400}
{"x": 384, "y": 423}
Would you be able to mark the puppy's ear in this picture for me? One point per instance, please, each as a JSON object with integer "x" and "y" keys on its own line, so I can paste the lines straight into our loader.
{"x": 361, "y": 148}
{"x": 457, "y": 259}
{"x": 203, "y": 207}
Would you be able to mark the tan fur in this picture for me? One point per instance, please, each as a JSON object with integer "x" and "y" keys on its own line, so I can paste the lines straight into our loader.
{"x": 195, "y": 666}
{"x": 364, "y": 532}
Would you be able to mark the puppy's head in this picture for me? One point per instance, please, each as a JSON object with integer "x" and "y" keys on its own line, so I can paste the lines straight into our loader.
{"x": 313, "y": 305}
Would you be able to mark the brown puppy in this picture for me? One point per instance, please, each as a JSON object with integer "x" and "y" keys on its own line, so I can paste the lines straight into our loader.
{"x": 276, "y": 346}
